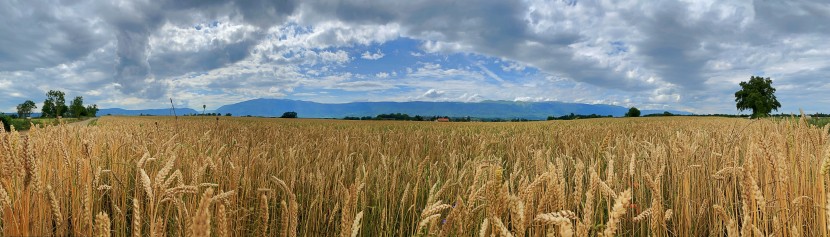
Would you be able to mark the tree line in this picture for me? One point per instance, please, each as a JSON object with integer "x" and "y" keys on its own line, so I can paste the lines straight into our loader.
{"x": 573, "y": 116}
{"x": 55, "y": 106}
{"x": 208, "y": 114}
{"x": 405, "y": 117}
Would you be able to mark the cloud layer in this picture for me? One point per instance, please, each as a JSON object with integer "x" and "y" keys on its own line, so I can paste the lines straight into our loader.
{"x": 670, "y": 54}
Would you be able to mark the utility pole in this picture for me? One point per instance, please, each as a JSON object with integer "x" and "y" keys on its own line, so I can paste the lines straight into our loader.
{"x": 174, "y": 109}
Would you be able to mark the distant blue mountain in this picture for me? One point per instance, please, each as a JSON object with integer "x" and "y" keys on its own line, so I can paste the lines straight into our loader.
{"x": 117, "y": 111}
{"x": 651, "y": 111}
{"x": 484, "y": 109}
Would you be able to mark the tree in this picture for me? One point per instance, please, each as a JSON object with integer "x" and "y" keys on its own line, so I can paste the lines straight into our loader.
{"x": 48, "y": 109}
{"x": 55, "y": 103}
{"x": 91, "y": 110}
{"x": 757, "y": 95}
{"x": 6, "y": 121}
{"x": 228, "y": 114}
{"x": 77, "y": 109}
{"x": 289, "y": 115}
{"x": 25, "y": 109}
{"x": 633, "y": 112}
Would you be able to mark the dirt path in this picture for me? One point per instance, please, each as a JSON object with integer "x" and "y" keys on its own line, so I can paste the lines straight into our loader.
{"x": 85, "y": 122}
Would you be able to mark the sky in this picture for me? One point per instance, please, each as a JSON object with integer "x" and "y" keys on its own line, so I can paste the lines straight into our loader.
{"x": 682, "y": 55}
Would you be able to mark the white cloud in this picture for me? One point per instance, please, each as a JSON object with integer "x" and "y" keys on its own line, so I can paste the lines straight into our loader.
{"x": 532, "y": 99}
{"x": 372, "y": 56}
{"x": 434, "y": 70}
{"x": 470, "y": 97}
{"x": 512, "y": 66}
{"x": 339, "y": 57}
{"x": 432, "y": 94}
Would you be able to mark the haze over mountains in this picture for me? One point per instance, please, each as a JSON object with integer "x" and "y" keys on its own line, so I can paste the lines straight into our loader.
{"x": 167, "y": 111}
{"x": 484, "y": 109}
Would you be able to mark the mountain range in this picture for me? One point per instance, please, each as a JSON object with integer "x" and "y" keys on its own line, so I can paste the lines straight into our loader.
{"x": 483, "y": 109}
{"x": 168, "y": 111}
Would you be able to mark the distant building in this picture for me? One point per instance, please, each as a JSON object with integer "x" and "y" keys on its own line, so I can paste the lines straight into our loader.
{"x": 442, "y": 120}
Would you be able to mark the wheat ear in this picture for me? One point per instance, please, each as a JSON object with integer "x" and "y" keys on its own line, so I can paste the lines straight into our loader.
{"x": 222, "y": 222}
{"x": 357, "y": 223}
{"x": 201, "y": 222}
{"x": 617, "y": 212}
{"x": 263, "y": 212}
{"x": 136, "y": 218}
{"x": 55, "y": 206}
{"x": 102, "y": 225}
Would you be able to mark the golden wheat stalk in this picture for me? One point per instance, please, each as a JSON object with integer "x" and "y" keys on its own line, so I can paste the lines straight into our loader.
{"x": 485, "y": 224}
{"x": 102, "y": 225}
{"x": 358, "y": 220}
{"x": 557, "y": 218}
{"x": 136, "y": 218}
{"x": 57, "y": 218}
{"x": 201, "y": 222}
{"x": 617, "y": 212}
{"x": 731, "y": 226}
{"x": 264, "y": 216}
{"x": 223, "y": 196}
{"x": 222, "y": 221}
{"x": 503, "y": 231}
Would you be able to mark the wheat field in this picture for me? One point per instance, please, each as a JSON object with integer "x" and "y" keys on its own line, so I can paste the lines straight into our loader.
{"x": 197, "y": 176}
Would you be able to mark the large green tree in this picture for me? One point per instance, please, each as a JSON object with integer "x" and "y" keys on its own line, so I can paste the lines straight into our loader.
{"x": 58, "y": 104}
{"x": 91, "y": 110}
{"x": 291, "y": 114}
{"x": 48, "y": 109}
{"x": 757, "y": 95}
{"x": 76, "y": 109}
{"x": 633, "y": 112}
{"x": 25, "y": 109}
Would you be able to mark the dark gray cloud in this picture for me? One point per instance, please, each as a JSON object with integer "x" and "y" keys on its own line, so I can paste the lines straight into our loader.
{"x": 675, "y": 46}
{"x": 175, "y": 63}
{"x": 793, "y": 17}
{"x": 36, "y": 34}
{"x": 135, "y": 22}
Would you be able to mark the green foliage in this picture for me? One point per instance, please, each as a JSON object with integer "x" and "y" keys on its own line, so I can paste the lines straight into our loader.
{"x": 18, "y": 123}
{"x": 91, "y": 110}
{"x": 573, "y": 116}
{"x": 359, "y": 118}
{"x": 633, "y": 112}
{"x": 819, "y": 122}
{"x": 48, "y": 109}
{"x": 664, "y": 114}
{"x": 55, "y": 104}
{"x": 757, "y": 95}
{"x": 291, "y": 114}
{"x": 6, "y": 120}
{"x": 394, "y": 116}
{"x": 25, "y": 109}
{"x": 77, "y": 109}
{"x": 406, "y": 117}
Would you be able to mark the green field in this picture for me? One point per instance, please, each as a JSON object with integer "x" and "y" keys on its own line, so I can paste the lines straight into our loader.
{"x": 25, "y": 124}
